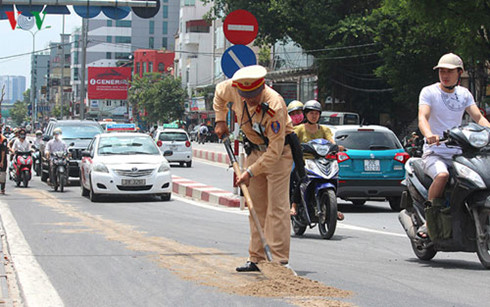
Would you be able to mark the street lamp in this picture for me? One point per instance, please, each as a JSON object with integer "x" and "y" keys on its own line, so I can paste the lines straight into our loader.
{"x": 33, "y": 76}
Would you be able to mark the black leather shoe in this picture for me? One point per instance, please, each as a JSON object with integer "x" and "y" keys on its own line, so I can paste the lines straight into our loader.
{"x": 249, "y": 266}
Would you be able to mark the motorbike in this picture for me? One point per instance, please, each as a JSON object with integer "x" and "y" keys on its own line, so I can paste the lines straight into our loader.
{"x": 21, "y": 170}
{"x": 467, "y": 194}
{"x": 318, "y": 190}
{"x": 36, "y": 160}
{"x": 60, "y": 166}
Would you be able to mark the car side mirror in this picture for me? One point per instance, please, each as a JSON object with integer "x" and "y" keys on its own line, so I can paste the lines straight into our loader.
{"x": 72, "y": 144}
{"x": 86, "y": 153}
{"x": 167, "y": 153}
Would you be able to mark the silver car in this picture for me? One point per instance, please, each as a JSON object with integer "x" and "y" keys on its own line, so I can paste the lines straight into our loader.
{"x": 178, "y": 141}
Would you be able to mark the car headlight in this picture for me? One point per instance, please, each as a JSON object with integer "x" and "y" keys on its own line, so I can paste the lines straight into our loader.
{"x": 477, "y": 139}
{"x": 164, "y": 167}
{"x": 469, "y": 174}
{"x": 99, "y": 167}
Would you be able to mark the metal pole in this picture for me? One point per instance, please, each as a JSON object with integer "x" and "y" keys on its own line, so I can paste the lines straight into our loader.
{"x": 33, "y": 79}
{"x": 84, "y": 60}
{"x": 62, "y": 85}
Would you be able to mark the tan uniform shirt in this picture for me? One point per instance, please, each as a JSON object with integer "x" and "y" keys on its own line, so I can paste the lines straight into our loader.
{"x": 276, "y": 123}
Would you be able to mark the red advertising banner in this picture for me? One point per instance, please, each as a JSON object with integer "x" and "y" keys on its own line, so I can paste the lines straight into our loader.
{"x": 108, "y": 82}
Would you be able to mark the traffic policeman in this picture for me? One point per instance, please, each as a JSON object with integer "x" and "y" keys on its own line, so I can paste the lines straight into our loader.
{"x": 262, "y": 116}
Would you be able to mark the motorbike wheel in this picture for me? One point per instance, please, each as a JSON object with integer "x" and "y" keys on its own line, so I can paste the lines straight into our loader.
{"x": 38, "y": 169}
{"x": 298, "y": 229}
{"x": 25, "y": 179}
{"x": 423, "y": 253}
{"x": 61, "y": 181}
{"x": 328, "y": 201}
{"x": 483, "y": 242}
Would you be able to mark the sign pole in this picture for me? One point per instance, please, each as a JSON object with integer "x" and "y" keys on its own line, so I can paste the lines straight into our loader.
{"x": 84, "y": 63}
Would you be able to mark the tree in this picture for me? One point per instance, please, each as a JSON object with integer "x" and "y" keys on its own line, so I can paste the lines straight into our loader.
{"x": 56, "y": 112}
{"x": 18, "y": 113}
{"x": 157, "y": 97}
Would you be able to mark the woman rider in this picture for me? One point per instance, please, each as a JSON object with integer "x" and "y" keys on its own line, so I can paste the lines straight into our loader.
{"x": 311, "y": 130}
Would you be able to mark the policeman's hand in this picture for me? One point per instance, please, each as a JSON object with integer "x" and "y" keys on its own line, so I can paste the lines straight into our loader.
{"x": 244, "y": 178}
{"x": 341, "y": 148}
{"x": 433, "y": 139}
{"x": 221, "y": 129}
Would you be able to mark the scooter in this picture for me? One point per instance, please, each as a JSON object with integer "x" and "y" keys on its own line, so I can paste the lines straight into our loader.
{"x": 60, "y": 176}
{"x": 463, "y": 224}
{"x": 318, "y": 190}
{"x": 36, "y": 160}
{"x": 21, "y": 170}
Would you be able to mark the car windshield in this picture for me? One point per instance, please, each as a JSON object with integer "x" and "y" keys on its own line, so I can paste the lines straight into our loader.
{"x": 80, "y": 131}
{"x": 127, "y": 145}
{"x": 367, "y": 140}
{"x": 173, "y": 136}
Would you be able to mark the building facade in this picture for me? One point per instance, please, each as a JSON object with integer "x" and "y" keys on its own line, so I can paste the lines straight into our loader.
{"x": 13, "y": 87}
{"x": 157, "y": 61}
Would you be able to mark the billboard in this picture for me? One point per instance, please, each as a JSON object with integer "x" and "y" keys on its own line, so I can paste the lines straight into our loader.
{"x": 108, "y": 82}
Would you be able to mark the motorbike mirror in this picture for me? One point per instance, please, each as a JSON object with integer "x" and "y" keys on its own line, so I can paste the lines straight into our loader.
{"x": 86, "y": 153}
{"x": 46, "y": 138}
{"x": 168, "y": 153}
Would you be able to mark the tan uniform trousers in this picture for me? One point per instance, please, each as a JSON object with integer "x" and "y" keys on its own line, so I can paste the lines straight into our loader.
{"x": 270, "y": 196}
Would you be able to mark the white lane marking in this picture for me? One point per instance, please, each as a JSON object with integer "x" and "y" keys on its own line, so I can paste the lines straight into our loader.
{"x": 35, "y": 284}
{"x": 245, "y": 212}
{"x": 248, "y": 28}
{"x": 236, "y": 59}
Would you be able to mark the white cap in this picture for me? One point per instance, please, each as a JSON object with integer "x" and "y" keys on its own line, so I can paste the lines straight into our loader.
{"x": 450, "y": 61}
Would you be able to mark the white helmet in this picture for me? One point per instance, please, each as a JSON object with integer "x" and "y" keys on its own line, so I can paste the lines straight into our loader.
{"x": 57, "y": 131}
{"x": 450, "y": 61}
{"x": 312, "y": 105}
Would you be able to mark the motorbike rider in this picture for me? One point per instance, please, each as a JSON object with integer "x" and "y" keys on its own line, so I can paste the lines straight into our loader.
{"x": 20, "y": 144}
{"x": 3, "y": 161}
{"x": 295, "y": 111}
{"x": 203, "y": 131}
{"x": 311, "y": 130}
{"x": 56, "y": 144}
{"x": 441, "y": 107}
{"x": 39, "y": 139}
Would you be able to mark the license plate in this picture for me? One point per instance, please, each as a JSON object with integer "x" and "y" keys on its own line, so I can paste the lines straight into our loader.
{"x": 133, "y": 181}
{"x": 371, "y": 166}
{"x": 173, "y": 147}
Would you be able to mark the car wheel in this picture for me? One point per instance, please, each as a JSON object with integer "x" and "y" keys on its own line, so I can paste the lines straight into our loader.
{"x": 181, "y": 163}
{"x": 395, "y": 203}
{"x": 188, "y": 164}
{"x": 83, "y": 190}
{"x": 166, "y": 196}
{"x": 93, "y": 197}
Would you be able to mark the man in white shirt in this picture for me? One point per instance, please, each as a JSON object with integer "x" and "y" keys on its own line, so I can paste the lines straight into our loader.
{"x": 54, "y": 145}
{"x": 441, "y": 107}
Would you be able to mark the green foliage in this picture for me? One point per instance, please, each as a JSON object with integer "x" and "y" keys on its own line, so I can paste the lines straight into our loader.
{"x": 161, "y": 96}
{"x": 18, "y": 113}
{"x": 56, "y": 112}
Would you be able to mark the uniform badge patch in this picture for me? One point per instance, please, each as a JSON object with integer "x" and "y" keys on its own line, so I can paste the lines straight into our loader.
{"x": 275, "y": 126}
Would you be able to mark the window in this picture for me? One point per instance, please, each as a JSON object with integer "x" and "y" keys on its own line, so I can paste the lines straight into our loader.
{"x": 76, "y": 42}
{"x": 123, "y": 23}
{"x": 144, "y": 68}
{"x": 165, "y": 11}
{"x": 164, "y": 42}
{"x": 197, "y": 26}
{"x": 161, "y": 67}
{"x": 152, "y": 27}
{"x": 108, "y": 55}
{"x": 75, "y": 74}
{"x": 165, "y": 27}
{"x": 75, "y": 58}
{"x": 189, "y": 2}
{"x": 123, "y": 39}
{"x": 138, "y": 68}
{"x": 151, "y": 43}
{"x": 122, "y": 55}
{"x": 108, "y": 39}
{"x": 109, "y": 23}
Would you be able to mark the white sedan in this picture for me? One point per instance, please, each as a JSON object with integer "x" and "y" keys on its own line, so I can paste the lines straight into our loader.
{"x": 124, "y": 163}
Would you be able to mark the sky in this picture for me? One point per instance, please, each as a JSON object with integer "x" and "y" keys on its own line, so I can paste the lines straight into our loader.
{"x": 18, "y": 41}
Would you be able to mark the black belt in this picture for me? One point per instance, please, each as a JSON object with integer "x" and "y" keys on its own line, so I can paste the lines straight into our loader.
{"x": 263, "y": 147}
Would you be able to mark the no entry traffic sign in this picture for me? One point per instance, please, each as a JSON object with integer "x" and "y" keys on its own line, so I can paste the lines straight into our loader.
{"x": 240, "y": 27}
{"x": 236, "y": 57}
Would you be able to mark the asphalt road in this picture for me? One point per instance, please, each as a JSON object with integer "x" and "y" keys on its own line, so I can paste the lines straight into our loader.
{"x": 130, "y": 251}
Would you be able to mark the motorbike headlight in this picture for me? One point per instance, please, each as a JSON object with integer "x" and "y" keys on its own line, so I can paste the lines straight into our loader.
{"x": 164, "y": 167}
{"x": 477, "y": 139}
{"x": 469, "y": 174}
{"x": 321, "y": 149}
{"x": 100, "y": 168}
